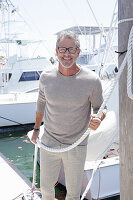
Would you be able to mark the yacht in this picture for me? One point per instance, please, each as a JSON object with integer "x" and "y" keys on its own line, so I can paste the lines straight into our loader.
{"x": 22, "y": 75}
{"x": 19, "y": 72}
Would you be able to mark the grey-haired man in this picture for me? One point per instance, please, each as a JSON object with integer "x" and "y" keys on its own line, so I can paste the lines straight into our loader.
{"x": 66, "y": 95}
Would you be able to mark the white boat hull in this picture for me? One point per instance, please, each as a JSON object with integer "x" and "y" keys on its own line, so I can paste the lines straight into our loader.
{"x": 25, "y": 113}
{"x": 106, "y": 182}
{"x": 17, "y": 111}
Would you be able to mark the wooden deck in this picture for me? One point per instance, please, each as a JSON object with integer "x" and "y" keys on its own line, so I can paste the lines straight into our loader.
{"x": 12, "y": 182}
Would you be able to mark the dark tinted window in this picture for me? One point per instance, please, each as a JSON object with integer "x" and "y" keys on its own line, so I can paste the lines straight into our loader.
{"x": 6, "y": 77}
{"x": 30, "y": 76}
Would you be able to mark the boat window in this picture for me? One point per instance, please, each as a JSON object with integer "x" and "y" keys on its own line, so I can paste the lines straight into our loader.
{"x": 83, "y": 60}
{"x": 10, "y": 75}
{"x": 6, "y": 77}
{"x": 30, "y": 76}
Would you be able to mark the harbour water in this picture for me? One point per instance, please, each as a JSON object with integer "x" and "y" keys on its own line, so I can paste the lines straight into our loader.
{"x": 20, "y": 151}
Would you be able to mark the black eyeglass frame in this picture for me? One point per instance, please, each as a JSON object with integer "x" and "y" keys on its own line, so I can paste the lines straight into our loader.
{"x": 68, "y": 49}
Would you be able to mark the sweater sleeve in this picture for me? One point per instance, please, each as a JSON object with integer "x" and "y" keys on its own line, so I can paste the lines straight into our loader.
{"x": 41, "y": 101}
{"x": 96, "y": 97}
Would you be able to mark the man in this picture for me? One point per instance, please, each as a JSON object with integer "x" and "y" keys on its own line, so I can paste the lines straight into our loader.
{"x": 66, "y": 96}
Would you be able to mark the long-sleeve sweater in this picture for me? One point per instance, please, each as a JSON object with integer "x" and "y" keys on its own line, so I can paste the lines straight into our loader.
{"x": 66, "y": 102}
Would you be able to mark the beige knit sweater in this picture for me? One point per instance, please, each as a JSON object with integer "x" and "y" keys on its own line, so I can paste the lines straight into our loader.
{"x": 67, "y": 101}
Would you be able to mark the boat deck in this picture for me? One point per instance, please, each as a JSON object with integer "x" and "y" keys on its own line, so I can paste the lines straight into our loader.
{"x": 12, "y": 182}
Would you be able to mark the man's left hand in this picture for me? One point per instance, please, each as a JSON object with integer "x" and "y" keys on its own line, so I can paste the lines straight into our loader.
{"x": 94, "y": 122}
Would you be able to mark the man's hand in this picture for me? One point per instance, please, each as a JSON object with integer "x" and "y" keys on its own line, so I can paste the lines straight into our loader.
{"x": 35, "y": 135}
{"x": 94, "y": 122}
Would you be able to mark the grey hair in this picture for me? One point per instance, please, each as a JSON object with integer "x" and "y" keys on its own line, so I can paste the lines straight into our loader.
{"x": 68, "y": 34}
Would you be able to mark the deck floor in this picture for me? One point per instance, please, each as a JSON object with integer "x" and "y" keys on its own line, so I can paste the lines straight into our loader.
{"x": 12, "y": 181}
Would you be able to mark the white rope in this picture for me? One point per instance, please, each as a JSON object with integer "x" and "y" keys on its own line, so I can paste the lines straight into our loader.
{"x": 35, "y": 166}
{"x": 91, "y": 179}
{"x": 32, "y": 194}
{"x": 125, "y": 20}
{"x": 98, "y": 162}
{"x": 110, "y": 36}
{"x": 66, "y": 148}
{"x": 94, "y": 16}
{"x": 130, "y": 64}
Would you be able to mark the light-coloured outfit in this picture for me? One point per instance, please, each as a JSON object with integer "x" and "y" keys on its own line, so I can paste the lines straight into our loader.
{"x": 66, "y": 102}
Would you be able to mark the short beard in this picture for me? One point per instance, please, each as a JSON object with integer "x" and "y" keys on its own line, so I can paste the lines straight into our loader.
{"x": 67, "y": 67}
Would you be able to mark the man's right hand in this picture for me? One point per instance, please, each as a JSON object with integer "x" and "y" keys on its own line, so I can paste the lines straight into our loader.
{"x": 35, "y": 135}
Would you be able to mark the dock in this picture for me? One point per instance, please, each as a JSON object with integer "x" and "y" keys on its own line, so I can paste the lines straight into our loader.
{"x": 12, "y": 182}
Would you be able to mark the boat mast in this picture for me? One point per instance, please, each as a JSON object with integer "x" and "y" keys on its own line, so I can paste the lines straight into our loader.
{"x": 125, "y": 11}
{"x": 4, "y": 42}
{"x": 5, "y": 23}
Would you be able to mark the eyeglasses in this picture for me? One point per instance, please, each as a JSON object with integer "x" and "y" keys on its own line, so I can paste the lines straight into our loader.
{"x": 71, "y": 50}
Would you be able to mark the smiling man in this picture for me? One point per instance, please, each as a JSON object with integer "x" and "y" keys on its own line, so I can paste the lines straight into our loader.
{"x": 66, "y": 95}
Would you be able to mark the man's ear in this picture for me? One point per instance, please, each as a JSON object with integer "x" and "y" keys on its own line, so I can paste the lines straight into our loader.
{"x": 56, "y": 51}
{"x": 78, "y": 52}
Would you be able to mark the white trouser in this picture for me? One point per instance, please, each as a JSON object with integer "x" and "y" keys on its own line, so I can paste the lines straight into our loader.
{"x": 50, "y": 164}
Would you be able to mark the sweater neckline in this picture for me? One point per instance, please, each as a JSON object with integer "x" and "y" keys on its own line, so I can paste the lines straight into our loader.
{"x": 71, "y": 76}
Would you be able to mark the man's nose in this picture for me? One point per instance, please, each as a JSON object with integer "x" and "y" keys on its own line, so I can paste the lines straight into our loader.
{"x": 67, "y": 51}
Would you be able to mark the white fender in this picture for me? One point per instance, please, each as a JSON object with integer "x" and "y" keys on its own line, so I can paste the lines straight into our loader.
{"x": 100, "y": 140}
{"x": 29, "y": 134}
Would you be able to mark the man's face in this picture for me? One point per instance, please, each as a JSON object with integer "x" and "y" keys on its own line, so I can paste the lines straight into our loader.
{"x": 67, "y": 52}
